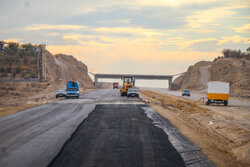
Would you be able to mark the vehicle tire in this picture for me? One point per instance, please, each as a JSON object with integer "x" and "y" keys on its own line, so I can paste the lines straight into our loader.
{"x": 56, "y": 96}
{"x": 208, "y": 102}
{"x": 225, "y": 103}
{"x": 77, "y": 97}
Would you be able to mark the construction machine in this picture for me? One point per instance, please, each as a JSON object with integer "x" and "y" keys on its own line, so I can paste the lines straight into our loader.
{"x": 127, "y": 83}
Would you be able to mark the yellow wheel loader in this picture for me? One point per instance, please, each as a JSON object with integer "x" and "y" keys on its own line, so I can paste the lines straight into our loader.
{"x": 127, "y": 83}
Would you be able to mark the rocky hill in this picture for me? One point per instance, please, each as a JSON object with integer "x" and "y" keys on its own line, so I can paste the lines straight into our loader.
{"x": 236, "y": 71}
{"x": 63, "y": 68}
{"x": 192, "y": 78}
{"x": 60, "y": 69}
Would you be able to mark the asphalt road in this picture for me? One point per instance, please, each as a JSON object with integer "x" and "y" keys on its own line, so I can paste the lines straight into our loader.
{"x": 118, "y": 135}
{"x": 99, "y": 129}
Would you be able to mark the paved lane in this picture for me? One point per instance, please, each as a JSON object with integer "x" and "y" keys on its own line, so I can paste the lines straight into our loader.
{"x": 34, "y": 136}
{"x": 113, "y": 131}
{"x": 118, "y": 135}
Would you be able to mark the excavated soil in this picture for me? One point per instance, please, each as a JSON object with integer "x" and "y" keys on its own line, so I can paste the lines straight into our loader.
{"x": 222, "y": 132}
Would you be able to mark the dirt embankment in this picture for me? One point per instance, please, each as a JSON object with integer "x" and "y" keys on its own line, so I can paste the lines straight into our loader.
{"x": 70, "y": 69}
{"x": 60, "y": 69}
{"x": 192, "y": 78}
{"x": 232, "y": 70}
{"x": 221, "y": 132}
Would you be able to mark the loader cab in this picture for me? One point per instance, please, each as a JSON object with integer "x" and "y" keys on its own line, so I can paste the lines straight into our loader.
{"x": 128, "y": 79}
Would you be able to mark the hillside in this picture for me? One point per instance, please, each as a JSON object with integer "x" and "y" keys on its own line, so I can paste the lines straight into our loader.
{"x": 192, "y": 78}
{"x": 19, "y": 61}
{"x": 236, "y": 71}
{"x": 60, "y": 69}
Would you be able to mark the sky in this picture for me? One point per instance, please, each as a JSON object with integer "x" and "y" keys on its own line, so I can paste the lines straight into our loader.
{"x": 130, "y": 36}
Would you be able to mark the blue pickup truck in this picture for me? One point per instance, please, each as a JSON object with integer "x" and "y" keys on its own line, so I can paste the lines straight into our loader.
{"x": 72, "y": 89}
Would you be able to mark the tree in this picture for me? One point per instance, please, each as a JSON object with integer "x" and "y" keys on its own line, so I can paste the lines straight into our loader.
{"x": 33, "y": 75}
{"x": 23, "y": 73}
{"x": 18, "y": 70}
{"x": 233, "y": 53}
{"x": 9, "y": 69}
{"x": 248, "y": 49}
{"x": 2, "y": 70}
{"x": 27, "y": 47}
{"x": 25, "y": 60}
{"x": 226, "y": 52}
{"x": 13, "y": 48}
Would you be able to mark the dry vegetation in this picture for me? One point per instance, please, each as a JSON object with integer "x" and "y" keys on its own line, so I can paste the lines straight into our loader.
{"x": 173, "y": 103}
{"x": 19, "y": 61}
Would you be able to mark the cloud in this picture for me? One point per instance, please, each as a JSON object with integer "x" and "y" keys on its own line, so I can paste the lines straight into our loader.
{"x": 155, "y": 35}
{"x": 36, "y": 27}
{"x": 105, "y": 59}
{"x": 178, "y": 3}
{"x": 107, "y": 54}
{"x": 111, "y": 22}
{"x": 234, "y": 39}
{"x": 171, "y": 3}
{"x": 12, "y": 40}
{"x": 132, "y": 30}
{"x": 244, "y": 29}
{"x": 202, "y": 45}
{"x": 203, "y": 18}
{"x": 212, "y": 44}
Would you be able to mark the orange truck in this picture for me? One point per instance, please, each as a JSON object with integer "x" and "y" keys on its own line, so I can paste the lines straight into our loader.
{"x": 115, "y": 85}
{"x": 218, "y": 92}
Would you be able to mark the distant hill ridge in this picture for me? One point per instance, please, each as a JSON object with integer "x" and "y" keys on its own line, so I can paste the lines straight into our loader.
{"x": 236, "y": 71}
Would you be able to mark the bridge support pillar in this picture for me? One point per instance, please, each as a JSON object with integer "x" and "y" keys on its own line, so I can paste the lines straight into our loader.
{"x": 133, "y": 82}
{"x": 96, "y": 82}
{"x": 170, "y": 84}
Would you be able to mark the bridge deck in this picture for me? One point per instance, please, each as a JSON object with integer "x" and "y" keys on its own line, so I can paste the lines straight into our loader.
{"x": 136, "y": 76}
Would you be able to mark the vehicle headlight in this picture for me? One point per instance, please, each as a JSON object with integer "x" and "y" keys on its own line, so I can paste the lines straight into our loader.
{"x": 77, "y": 92}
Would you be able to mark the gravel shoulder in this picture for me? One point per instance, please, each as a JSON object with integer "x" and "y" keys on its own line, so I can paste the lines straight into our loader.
{"x": 225, "y": 141}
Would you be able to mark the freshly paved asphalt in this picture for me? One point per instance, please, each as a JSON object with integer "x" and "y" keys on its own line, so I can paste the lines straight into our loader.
{"x": 120, "y": 136}
{"x": 99, "y": 129}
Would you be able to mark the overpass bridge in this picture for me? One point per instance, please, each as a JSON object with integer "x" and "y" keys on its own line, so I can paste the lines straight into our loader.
{"x": 135, "y": 76}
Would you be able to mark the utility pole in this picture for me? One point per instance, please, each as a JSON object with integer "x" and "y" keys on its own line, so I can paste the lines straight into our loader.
{"x": 44, "y": 61}
{"x": 38, "y": 51}
{"x": 2, "y": 46}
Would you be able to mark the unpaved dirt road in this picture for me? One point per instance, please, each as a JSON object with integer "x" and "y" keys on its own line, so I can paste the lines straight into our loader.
{"x": 224, "y": 128}
{"x": 204, "y": 75}
{"x": 99, "y": 129}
